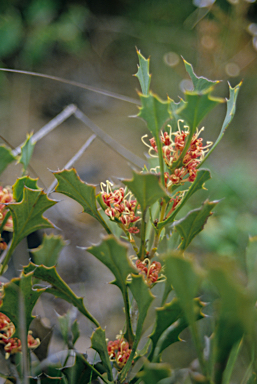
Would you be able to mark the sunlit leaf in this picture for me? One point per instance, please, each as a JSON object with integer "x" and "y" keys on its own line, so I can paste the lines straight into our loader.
{"x": 27, "y": 217}
{"x": 98, "y": 343}
{"x": 19, "y": 185}
{"x": 193, "y": 223}
{"x": 201, "y": 84}
{"x": 58, "y": 287}
{"x": 26, "y": 152}
{"x": 6, "y": 157}
{"x": 70, "y": 184}
{"x": 143, "y": 73}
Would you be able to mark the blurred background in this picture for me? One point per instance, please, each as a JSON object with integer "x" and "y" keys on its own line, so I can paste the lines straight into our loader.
{"x": 93, "y": 42}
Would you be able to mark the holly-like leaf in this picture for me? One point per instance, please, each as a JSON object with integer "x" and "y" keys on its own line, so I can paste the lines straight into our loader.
{"x": 75, "y": 331}
{"x": 16, "y": 290}
{"x": 231, "y": 109}
{"x": 155, "y": 112}
{"x": 98, "y": 343}
{"x": 70, "y": 184}
{"x": 26, "y": 152}
{"x": 146, "y": 188}
{"x": 143, "y": 73}
{"x": 236, "y": 313}
{"x": 202, "y": 176}
{"x": 19, "y": 185}
{"x": 152, "y": 373}
{"x": 48, "y": 252}
{"x": 143, "y": 298}
{"x": 201, "y": 84}
{"x": 193, "y": 223}
{"x": 113, "y": 254}
{"x": 58, "y": 287}
{"x": 80, "y": 371}
{"x": 6, "y": 157}
{"x": 27, "y": 218}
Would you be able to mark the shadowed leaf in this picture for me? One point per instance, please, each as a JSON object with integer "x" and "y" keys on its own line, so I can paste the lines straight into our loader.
{"x": 26, "y": 152}
{"x": 6, "y": 157}
{"x": 48, "y": 252}
{"x": 154, "y": 372}
{"x": 98, "y": 343}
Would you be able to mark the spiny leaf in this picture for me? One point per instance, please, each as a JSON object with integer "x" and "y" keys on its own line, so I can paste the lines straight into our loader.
{"x": 58, "y": 287}
{"x": 231, "y": 109}
{"x": 193, "y": 223}
{"x": 27, "y": 217}
{"x": 201, "y": 84}
{"x": 155, "y": 112}
{"x": 146, "y": 188}
{"x": 19, "y": 185}
{"x": 14, "y": 291}
{"x": 70, "y": 184}
{"x": 143, "y": 73}
{"x": 143, "y": 298}
{"x": 113, "y": 253}
{"x": 98, "y": 343}
{"x": 152, "y": 373}
{"x": 202, "y": 176}
{"x": 6, "y": 157}
{"x": 80, "y": 371}
{"x": 26, "y": 152}
{"x": 48, "y": 252}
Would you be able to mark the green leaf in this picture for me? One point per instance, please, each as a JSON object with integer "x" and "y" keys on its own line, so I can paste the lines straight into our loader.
{"x": 26, "y": 152}
{"x": 98, "y": 343}
{"x": 20, "y": 289}
{"x": 27, "y": 217}
{"x": 70, "y": 184}
{"x": 155, "y": 112}
{"x": 202, "y": 176}
{"x": 193, "y": 223}
{"x": 19, "y": 185}
{"x": 146, "y": 188}
{"x": 201, "y": 84}
{"x": 231, "y": 109}
{"x": 143, "y": 73}
{"x": 58, "y": 287}
{"x": 236, "y": 314}
{"x": 113, "y": 254}
{"x": 80, "y": 371}
{"x": 251, "y": 264}
{"x": 143, "y": 298}
{"x": 231, "y": 362}
{"x": 75, "y": 331}
{"x": 185, "y": 280}
{"x": 6, "y": 157}
{"x": 64, "y": 322}
{"x": 154, "y": 372}
{"x": 48, "y": 252}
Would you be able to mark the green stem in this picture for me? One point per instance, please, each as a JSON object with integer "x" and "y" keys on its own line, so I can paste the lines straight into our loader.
{"x": 158, "y": 233}
{"x": 95, "y": 370}
{"x": 129, "y": 335}
{"x": 4, "y": 221}
{"x": 143, "y": 230}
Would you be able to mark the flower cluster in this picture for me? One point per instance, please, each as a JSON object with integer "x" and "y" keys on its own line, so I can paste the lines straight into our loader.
{"x": 149, "y": 270}
{"x": 6, "y": 197}
{"x": 12, "y": 344}
{"x": 121, "y": 207}
{"x": 119, "y": 351}
{"x": 173, "y": 144}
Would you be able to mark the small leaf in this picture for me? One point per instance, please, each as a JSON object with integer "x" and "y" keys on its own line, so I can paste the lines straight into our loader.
{"x": 70, "y": 184}
{"x": 26, "y": 152}
{"x": 27, "y": 217}
{"x": 202, "y": 176}
{"x": 64, "y": 322}
{"x": 58, "y": 287}
{"x": 19, "y": 185}
{"x": 231, "y": 109}
{"x": 48, "y": 252}
{"x": 6, "y": 157}
{"x": 152, "y": 373}
{"x": 193, "y": 223}
{"x": 75, "y": 331}
{"x": 98, "y": 343}
{"x": 201, "y": 84}
{"x": 14, "y": 291}
{"x": 143, "y": 298}
{"x": 146, "y": 188}
{"x": 143, "y": 73}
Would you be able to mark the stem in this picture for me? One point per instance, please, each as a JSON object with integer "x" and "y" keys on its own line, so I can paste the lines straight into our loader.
{"x": 4, "y": 221}
{"x": 129, "y": 335}
{"x": 95, "y": 370}
{"x": 143, "y": 230}
{"x": 158, "y": 233}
